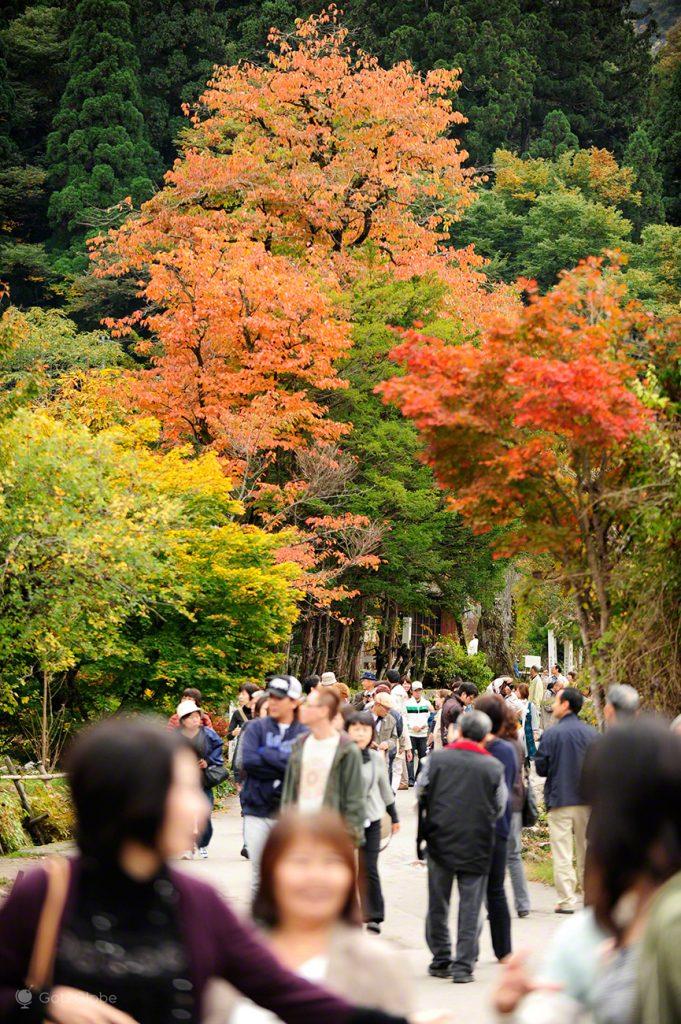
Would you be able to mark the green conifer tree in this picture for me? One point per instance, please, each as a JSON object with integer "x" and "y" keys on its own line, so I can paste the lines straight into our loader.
{"x": 7, "y": 147}
{"x": 644, "y": 159}
{"x": 595, "y": 64}
{"x": 667, "y": 135}
{"x": 179, "y": 42}
{"x": 556, "y": 137}
{"x": 98, "y": 152}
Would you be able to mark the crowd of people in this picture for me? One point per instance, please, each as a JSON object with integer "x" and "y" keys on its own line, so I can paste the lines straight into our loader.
{"x": 317, "y": 771}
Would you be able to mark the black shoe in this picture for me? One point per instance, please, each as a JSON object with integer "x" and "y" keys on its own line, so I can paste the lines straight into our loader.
{"x": 523, "y": 913}
{"x": 462, "y": 979}
{"x": 563, "y": 910}
{"x": 244, "y": 853}
{"x": 374, "y": 926}
{"x": 440, "y": 970}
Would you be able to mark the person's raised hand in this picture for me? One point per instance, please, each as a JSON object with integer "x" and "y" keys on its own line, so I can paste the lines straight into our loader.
{"x": 516, "y": 983}
{"x": 71, "y": 1006}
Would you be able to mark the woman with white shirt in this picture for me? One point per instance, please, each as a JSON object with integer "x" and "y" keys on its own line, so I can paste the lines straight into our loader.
{"x": 307, "y": 904}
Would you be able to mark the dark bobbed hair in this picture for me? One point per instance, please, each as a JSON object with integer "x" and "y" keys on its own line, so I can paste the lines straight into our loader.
{"x": 632, "y": 781}
{"x": 119, "y": 772}
{"x": 470, "y": 689}
{"x": 573, "y": 698}
{"x": 359, "y": 718}
{"x": 191, "y": 691}
{"x": 495, "y": 708}
{"x": 523, "y": 691}
{"x": 249, "y": 688}
{"x": 310, "y": 682}
{"x": 325, "y": 827}
{"x": 393, "y": 676}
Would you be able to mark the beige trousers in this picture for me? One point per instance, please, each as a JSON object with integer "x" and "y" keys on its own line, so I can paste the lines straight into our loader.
{"x": 567, "y": 832}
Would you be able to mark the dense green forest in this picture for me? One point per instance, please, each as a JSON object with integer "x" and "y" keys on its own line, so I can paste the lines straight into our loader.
{"x": 103, "y": 123}
{"x": 573, "y": 126}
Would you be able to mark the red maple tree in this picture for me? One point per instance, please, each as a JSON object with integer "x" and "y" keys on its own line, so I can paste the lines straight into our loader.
{"x": 532, "y": 427}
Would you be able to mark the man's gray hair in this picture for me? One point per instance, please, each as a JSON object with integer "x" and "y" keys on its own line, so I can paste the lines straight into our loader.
{"x": 474, "y": 725}
{"x": 624, "y": 699}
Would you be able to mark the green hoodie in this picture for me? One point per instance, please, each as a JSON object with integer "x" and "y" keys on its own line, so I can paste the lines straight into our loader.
{"x": 344, "y": 787}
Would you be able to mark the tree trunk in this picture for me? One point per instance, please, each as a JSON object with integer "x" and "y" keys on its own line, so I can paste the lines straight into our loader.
{"x": 495, "y": 628}
{"x": 44, "y": 723}
{"x": 589, "y": 628}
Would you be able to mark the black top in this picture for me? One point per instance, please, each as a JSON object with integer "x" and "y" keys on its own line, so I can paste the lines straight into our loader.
{"x": 237, "y": 721}
{"x": 461, "y": 809}
{"x": 123, "y": 944}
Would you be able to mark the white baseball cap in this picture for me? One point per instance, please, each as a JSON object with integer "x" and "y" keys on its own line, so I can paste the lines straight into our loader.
{"x": 416, "y": 685}
{"x": 186, "y": 707}
{"x": 285, "y": 686}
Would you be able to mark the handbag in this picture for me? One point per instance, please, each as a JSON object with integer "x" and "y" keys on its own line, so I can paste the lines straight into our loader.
{"x": 386, "y": 831}
{"x": 213, "y": 775}
{"x": 41, "y": 965}
{"x": 530, "y": 809}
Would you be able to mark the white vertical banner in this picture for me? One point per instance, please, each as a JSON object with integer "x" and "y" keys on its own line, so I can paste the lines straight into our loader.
{"x": 553, "y": 649}
{"x": 406, "y": 629}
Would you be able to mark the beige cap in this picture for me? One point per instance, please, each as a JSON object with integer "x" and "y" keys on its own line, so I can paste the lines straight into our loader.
{"x": 328, "y": 679}
{"x": 385, "y": 700}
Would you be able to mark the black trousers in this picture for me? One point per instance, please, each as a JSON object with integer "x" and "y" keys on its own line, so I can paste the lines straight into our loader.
{"x": 471, "y": 893}
{"x": 497, "y": 904}
{"x": 373, "y": 908}
{"x": 419, "y": 746}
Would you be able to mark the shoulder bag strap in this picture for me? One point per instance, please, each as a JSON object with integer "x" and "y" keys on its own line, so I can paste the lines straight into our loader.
{"x": 41, "y": 966}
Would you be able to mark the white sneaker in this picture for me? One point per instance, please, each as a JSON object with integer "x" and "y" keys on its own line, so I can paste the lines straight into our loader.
{"x": 203, "y": 853}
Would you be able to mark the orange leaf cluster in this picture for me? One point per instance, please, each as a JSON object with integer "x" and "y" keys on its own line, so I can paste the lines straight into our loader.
{"x": 525, "y": 426}
{"x": 293, "y": 176}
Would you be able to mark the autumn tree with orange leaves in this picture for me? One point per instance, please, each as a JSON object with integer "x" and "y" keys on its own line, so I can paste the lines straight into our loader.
{"x": 296, "y": 179}
{"x": 533, "y": 428}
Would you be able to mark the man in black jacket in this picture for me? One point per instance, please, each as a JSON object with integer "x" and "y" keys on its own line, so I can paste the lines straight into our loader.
{"x": 559, "y": 760}
{"x": 462, "y": 792}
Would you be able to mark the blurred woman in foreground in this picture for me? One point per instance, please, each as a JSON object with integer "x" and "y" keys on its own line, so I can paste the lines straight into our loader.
{"x": 632, "y": 781}
{"x": 307, "y": 902}
{"x": 115, "y": 935}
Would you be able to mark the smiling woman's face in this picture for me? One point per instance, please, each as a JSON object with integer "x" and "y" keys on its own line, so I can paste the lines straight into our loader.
{"x": 311, "y": 883}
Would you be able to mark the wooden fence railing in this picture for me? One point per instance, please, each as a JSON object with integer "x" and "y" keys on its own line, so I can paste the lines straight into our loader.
{"x": 34, "y": 821}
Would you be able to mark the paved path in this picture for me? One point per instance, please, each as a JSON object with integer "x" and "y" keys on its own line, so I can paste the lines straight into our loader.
{"x": 404, "y": 884}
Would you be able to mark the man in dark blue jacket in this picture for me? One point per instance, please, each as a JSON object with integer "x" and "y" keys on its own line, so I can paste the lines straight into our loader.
{"x": 266, "y": 746}
{"x": 559, "y": 760}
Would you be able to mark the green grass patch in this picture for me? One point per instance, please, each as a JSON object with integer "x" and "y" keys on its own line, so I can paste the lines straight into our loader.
{"x": 539, "y": 871}
{"x": 51, "y": 799}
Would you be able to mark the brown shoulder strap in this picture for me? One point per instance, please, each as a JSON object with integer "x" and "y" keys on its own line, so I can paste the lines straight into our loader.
{"x": 45, "y": 943}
